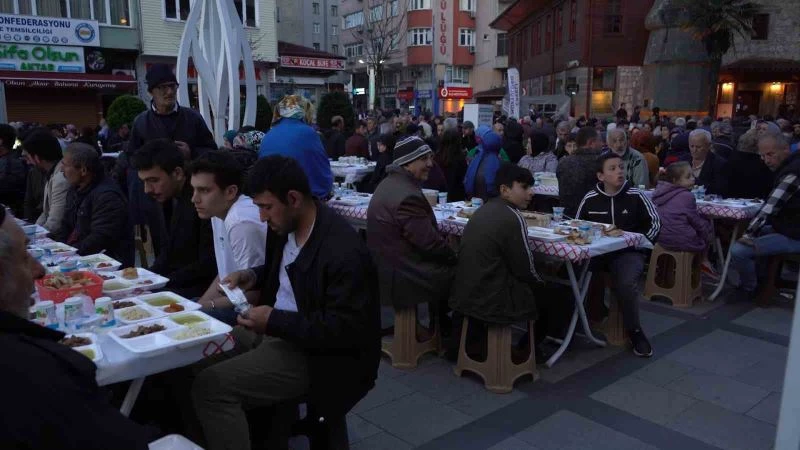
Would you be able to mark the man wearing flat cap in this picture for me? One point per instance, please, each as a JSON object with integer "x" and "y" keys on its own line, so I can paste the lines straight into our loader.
{"x": 415, "y": 263}
{"x": 165, "y": 118}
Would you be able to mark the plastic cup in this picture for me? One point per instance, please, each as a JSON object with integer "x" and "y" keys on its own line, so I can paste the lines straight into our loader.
{"x": 558, "y": 213}
{"x": 68, "y": 266}
{"x": 442, "y": 198}
{"x": 44, "y": 313}
{"x": 105, "y": 309}
{"x": 73, "y": 312}
{"x": 477, "y": 202}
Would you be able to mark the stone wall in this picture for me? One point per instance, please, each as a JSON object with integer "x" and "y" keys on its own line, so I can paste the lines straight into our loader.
{"x": 784, "y": 27}
{"x": 629, "y": 87}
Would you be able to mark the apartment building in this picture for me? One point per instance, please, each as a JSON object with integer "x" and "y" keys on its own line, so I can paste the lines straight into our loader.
{"x": 65, "y": 62}
{"x": 162, "y": 28}
{"x": 587, "y": 54}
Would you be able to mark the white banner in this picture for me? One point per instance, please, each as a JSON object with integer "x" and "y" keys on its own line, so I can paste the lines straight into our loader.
{"x": 513, "y": 92}
{"x": 49, "y": 30}
{"x": 443, "y": 31}
{"x": 41, "y": 58}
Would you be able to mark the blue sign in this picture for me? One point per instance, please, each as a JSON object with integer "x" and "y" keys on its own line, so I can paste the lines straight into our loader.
{"x": 423, "y": 94}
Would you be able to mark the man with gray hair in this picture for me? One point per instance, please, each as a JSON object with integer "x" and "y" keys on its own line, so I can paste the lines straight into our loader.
{"x": 709, "y": 170}
{"x": 776, "y": 228}
{"x": 722, "y": 143}
{"x": 52, "y": 400}
{"x": 562, "y": 133}
{"x": 636, "y": 171}
{"x": 96, "y": 216}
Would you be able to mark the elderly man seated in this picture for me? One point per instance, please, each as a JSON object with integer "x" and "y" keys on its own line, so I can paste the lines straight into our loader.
{"x": 96, "y": 216}
{"x": 636, "y": 171}
{"x": 776, "y": 228}
{"x": 52, "y": 399}
{"x": 709, "y": 169}
{"x": 415, "y": 264}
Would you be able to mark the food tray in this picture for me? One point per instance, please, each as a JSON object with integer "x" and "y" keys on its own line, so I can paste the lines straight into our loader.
{"x": 40, "y": 230}
{"x": 58, "y": 249}
{"x": 149, "y": 299}
{"x": 94, "y": 261}
{"x": 351, "y": 201}
{"x": 118, "y": 288}
{"x": 119, "y": 314}
{"x": 146, "y": 280}
{"x": 59, "y": 295}
{"x": 461, "y": 220}
{"x": 91, "y": 351}
{"x": 162, "y": 341}
{"x": 539, "y": 234}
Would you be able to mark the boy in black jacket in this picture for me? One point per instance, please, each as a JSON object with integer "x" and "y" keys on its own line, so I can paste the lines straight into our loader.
{"x": 614, "y": 201}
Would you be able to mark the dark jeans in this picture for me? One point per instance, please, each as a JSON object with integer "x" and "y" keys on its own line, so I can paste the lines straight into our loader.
{"x": 625, "y": 269}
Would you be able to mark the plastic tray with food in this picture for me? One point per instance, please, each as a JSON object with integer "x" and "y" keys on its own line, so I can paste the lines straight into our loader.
{"x": 168, "y": 302}
{"x": 146, "y": 338}
{"x": 137, "y": 313}
{"x": 60, "y": 286}
{"x": 545, "y": 234}
{"x": 142, "y": 278}
{"x": 100, "y": 262}
{"x": 85, "y": 344}
{"x": 196, "y": 327}
{"x": 58, "y": 249}
{"x": 117, "y": 288}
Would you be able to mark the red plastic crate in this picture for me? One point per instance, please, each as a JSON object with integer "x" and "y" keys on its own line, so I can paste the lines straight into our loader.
{"x": 93, "y": 290}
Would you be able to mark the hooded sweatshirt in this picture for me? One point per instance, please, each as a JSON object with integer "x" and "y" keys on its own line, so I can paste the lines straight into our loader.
{"x": 479, "y": 181}
{"x": 682, "y": 227}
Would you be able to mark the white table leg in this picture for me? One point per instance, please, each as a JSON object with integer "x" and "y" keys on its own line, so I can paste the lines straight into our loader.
{"x": 131, "y": 396}
{"x": 718, "y": 245}
{"x": 727, "y": 263}
{"x": 579, "y": 286}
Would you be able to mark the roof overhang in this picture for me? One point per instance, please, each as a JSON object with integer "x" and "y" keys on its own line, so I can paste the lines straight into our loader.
{"x": 513, "y": 15}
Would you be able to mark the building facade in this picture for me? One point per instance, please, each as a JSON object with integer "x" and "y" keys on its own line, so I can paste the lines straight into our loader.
{"x": 162, "y": 28}
{"x": 588, "y": 52}
{"x": 65, "y": 62}
{"x": 761, "y": 76}
{"x": 414, "y": 74}
{"x": 490, "y": 72}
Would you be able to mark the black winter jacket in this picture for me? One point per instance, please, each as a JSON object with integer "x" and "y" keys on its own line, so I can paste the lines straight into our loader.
{"x": 187, "y": 252}
{"x": 629, "y": 209}
{"x": 52, "y": 399}
{"x": 185, "y": 125}
{"x": 96, "y": 219}
{"x": 337, "y": 321}
{"x": 714, "y": 175}
{"x": 577, "y": 175}
{"x": 13, "y": 178}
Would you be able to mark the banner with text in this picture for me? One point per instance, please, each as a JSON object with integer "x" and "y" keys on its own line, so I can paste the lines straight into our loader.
{"x": 443, "y": 31}
{"x": 41, "y": 58}
{"x": 455, "y": 92}
{"x": 302, "y": 62}
{"x": 49, "y": 30}
{"x": 513, "y": 92}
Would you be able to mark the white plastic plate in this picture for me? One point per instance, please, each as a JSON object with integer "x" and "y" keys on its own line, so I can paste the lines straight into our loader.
{"x": 119, "y": 314}
{"x": 125, "y": 288}
{"x": 93, "y": 261}
{"x": 148, "y": 345}
{"x": 150, "y": 299}
{"x": 146, "y": 280}
{"x": 94, "y": 346}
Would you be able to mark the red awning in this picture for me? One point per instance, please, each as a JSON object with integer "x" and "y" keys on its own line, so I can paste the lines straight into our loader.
{"x": 67, "y": 80}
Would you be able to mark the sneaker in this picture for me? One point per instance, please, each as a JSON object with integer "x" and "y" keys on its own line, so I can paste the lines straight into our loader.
{"x": 708, "y": 270}
{"x": 641, "y": 346}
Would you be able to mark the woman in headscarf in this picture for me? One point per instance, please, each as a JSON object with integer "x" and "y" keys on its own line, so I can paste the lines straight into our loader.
{"x": 291, "y": 135}
{"x": 479, "y": 181}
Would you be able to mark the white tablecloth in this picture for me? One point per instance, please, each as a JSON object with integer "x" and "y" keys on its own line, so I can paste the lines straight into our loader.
{"x": 352, "y": 173}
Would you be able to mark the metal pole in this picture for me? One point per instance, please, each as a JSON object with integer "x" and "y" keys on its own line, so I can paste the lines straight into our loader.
{"x": 434, "y": 90}
{"x": 371, "y": 72}
{"x": 788, "y": 435}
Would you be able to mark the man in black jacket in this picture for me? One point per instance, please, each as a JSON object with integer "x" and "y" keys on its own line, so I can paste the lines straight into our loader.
{"x": 95, "y": 218}
{"x": 613, "y": 201}
{"x": 334, "y": 138}
{"x": 51, "y": 398}
{"x": 187, "y": 252}
{"x": 13, "y": 172}
{"x": 709, "y": 169}
{"x": 316, "y": 333}
{"x": 577, "y": 172}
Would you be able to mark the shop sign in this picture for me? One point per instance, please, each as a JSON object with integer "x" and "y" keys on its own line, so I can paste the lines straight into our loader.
{"x": 299, "y": 62}
{"x": 69, "y": 84}
{"x": 424, "y": 94}
{"x": 406, "y": 95}
{"x": 49, "y": 30}
{"x": 455, "y": 92}
{"x": 41, "y": 58}
{"x": 387, "y": 90}
{"x": 359, "y": 91}
{"x": 443, "y": 31}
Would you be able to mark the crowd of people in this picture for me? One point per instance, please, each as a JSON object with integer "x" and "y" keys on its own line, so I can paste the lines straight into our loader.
{"x": 253, "y": 214}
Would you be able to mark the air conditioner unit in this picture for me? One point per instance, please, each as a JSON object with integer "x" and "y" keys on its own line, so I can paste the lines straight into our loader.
{"x": 472, "y": 49}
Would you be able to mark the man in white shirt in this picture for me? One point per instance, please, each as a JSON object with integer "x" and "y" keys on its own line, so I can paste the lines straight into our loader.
{"x": 239, "y": 234}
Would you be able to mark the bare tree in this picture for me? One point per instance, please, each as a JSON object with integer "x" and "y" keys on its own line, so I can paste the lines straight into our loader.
{"x": 381, "y": 33}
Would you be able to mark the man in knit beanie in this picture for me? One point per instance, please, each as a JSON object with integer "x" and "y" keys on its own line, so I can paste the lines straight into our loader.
{"x": 415, "y": 264}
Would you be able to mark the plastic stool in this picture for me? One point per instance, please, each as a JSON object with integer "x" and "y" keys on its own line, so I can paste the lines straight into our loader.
{"x": 498, "y": 371}
{"x": 405, "y": 350}
{"x": 674, "y": 275}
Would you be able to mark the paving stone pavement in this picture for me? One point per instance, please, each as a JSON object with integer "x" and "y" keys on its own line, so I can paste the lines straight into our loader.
{"x": 714, "y": 383}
